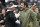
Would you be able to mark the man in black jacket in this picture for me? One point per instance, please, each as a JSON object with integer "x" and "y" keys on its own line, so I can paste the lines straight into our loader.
{"x": 10, "y": 20}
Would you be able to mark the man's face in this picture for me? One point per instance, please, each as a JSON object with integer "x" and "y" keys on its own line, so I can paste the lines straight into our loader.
{"x": 3, "y": 11}
{"x": 22, "y": 5}
{"x": 37, "y": 10}
{"x": 12, "y": 9}
{"x": 33, "y": 7}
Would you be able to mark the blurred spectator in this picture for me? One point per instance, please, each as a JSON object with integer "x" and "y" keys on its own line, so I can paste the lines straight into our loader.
{"x": 2, "y": 20}
{"x": 2, "y": 17}
{"x": 37, "y": 10}
{"x": 1, "y": 6}
{"x": 3, "y": 11}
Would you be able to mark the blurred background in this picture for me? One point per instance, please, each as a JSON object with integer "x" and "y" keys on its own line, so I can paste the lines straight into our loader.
{"x": 29, "y": 2}
{"x": 5, "y": 3}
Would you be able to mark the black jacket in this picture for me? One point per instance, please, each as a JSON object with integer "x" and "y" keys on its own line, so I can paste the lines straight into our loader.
{"x": 10, "y": 19}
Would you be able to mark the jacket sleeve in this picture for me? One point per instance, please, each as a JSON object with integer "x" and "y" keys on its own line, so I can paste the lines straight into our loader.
{"x": 38, "y": 16}
{"x": 33, "y": 14}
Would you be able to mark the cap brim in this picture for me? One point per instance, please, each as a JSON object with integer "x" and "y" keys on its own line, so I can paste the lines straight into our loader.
{"x": 13, "y": 6}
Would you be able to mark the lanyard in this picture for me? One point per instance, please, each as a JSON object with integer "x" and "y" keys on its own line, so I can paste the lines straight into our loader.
{"x": 24, "y": 15}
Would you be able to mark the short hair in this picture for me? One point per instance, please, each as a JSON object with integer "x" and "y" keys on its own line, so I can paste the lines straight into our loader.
{"x": 25, "y": 4}
{"x": 22, "y": 2}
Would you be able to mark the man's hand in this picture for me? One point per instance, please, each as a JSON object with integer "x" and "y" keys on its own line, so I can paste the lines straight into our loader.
{"x": 17, "y": 21}
{"x": 1, "y": 21}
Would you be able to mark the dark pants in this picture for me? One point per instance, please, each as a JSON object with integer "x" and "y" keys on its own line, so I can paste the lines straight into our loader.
{"x": 11, "y": 25}
{"x": 19, "y": 25}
